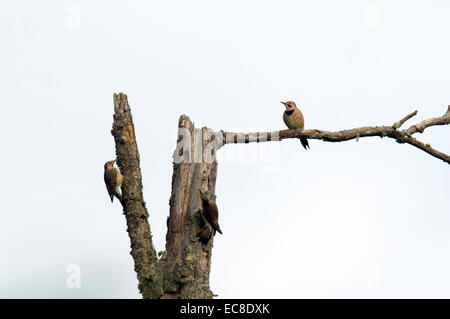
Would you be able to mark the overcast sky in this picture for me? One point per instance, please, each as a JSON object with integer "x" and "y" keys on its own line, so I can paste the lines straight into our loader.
{"x": 341, "y": 220}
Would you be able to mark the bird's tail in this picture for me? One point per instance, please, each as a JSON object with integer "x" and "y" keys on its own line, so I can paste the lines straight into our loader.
{"x": 304, "y": 142}
{"x": 119, "y": 197}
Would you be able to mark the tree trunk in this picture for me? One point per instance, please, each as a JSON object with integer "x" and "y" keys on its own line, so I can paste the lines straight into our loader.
{"x": 188, "y": 260}
{"x": 182, "y": 271}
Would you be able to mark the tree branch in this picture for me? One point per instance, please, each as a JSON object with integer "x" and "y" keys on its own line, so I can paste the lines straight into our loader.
{"x": 403, "y": 136}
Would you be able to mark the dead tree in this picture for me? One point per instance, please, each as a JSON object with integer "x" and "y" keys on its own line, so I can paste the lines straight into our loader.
{"x": 182, "y": 270}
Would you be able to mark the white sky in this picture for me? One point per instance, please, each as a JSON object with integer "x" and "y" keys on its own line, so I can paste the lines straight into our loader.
{"x": 366, "y": 219}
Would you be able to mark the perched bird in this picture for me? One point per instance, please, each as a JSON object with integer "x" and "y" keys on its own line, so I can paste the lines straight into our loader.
{"x": 293, "y": 118}
{"x": 113, "y": 180}
{"x": 211, "y": 215}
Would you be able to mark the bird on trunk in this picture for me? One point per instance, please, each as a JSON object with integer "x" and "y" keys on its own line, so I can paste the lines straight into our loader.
{"x": 293, "y": 118}
{"x": 113, "y": 180}
{"x": 210, "y": 213}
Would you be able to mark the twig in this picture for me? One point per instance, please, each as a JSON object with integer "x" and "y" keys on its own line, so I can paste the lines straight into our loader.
{"x": 403, "y": 120}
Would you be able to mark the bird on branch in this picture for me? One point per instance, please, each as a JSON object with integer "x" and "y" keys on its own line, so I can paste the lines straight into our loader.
{"x": 293, "y": 118}
{"x": 113, "y": 180}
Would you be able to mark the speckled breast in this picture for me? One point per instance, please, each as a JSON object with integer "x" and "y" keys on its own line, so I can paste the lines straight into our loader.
{"x": 295, "y": 120}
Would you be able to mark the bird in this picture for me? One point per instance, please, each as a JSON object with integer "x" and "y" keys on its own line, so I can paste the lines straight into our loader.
{"x": 211, "y": 215}
{"x": 113, "y": 180}
{"x": 293, "y": 118}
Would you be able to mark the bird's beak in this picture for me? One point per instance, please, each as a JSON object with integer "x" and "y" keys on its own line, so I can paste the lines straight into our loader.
{"x": 284, "y": 103}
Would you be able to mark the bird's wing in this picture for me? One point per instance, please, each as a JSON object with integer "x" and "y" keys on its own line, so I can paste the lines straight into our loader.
{"x": 110, "y": 181}
{"x": 212, "y": 216}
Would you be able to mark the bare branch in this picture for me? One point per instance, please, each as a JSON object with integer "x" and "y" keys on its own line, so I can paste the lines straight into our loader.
{"x": 403, "y": 136}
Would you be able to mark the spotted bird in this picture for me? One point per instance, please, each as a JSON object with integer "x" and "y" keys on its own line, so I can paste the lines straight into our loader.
{"x": 293, "y": 118}
{"x": 113, "y": 180}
